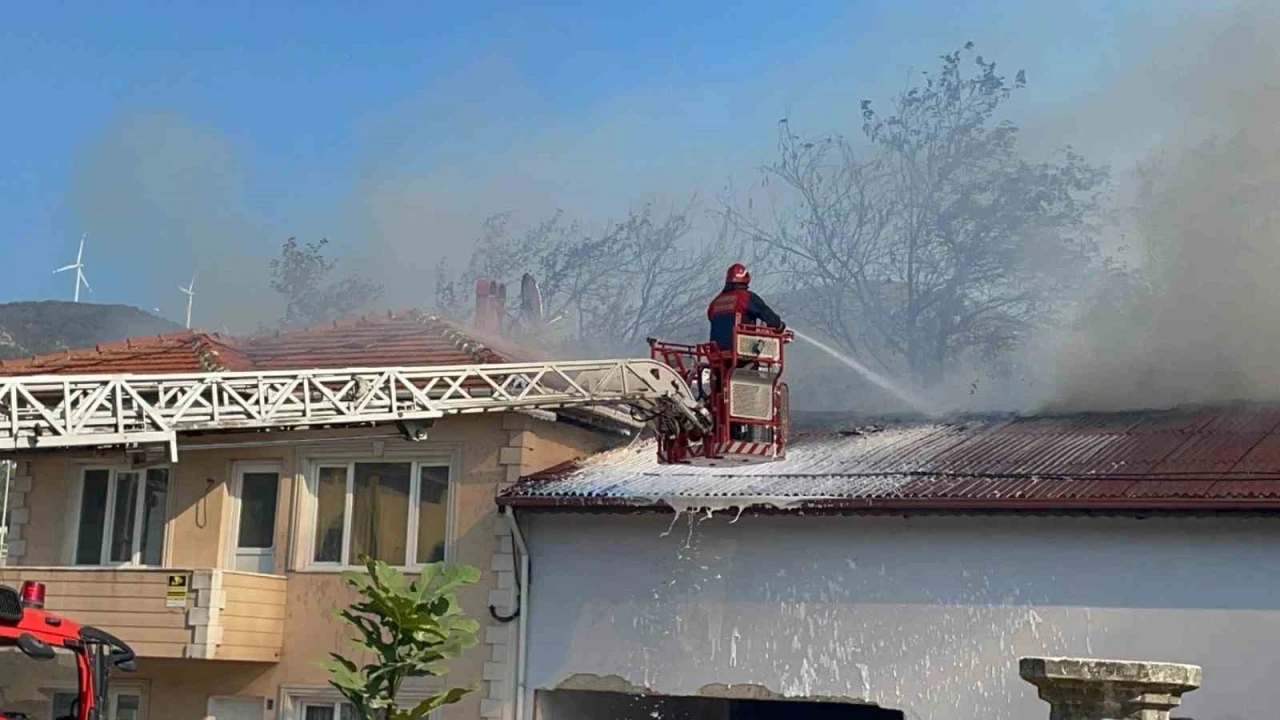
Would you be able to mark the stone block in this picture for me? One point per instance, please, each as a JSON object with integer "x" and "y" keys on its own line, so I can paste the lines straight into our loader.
{"x": 503, "y": 562}
{"x": 510, "y": 456}
{"x": 197, "y": 617}
{"x": 512, "y": 477}
{"x": 500, "y": 653}
{"x": 20, "y": 483}
{"x": 499, "y": 634}
{"x": 495, "y": 671}
{"x": 503, "y": 599}
{"x": 199, "y": 652}
{"x": 207, "y": 635}
{"x": 491, "y": 709}
{"x": 1090, "y": 689}
{"x": 506, "y": 580}
{"x": 206, "y": 580}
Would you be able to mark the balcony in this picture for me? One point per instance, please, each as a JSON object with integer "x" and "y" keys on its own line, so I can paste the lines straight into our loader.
{"x": 170, "y": 613}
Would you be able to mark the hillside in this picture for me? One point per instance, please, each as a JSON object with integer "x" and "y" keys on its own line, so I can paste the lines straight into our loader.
{"x": 32, "y": 328}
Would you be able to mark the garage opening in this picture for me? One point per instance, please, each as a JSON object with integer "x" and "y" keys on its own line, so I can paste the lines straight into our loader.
{"x": 605, "y": 705}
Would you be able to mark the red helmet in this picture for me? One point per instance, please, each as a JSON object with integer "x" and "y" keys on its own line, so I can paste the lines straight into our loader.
{"x": 737, "y": 273}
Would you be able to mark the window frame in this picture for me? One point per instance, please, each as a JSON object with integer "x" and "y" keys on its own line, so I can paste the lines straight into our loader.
{"x": 294, "y": 699}
{"x": 141, "y": 688}
{"x": 104, "y": 553}
{"x": 334, "y": 705}
{"x": 235, "y": 497}
{"x": 445, "y": 460}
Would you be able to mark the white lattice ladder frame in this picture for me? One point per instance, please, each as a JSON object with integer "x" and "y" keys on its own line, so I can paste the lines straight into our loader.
{"x": 56, "y": 411}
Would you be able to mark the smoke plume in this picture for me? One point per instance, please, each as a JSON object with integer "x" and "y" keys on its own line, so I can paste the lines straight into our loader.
{"x": 164, "y": 199}
{"x": 1193, "y": 318}
{"x": 1198, "y": 324}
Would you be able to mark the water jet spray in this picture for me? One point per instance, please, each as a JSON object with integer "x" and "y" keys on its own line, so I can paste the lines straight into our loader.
{"x": 909, "y": 398}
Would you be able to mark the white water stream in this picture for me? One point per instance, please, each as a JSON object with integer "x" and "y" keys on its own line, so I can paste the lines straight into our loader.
{"x": 909, "y": 398}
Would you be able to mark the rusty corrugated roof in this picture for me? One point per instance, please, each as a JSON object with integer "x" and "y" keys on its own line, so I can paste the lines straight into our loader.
{"x": 1199, "y": 459}
{"x": 392, "y": 339}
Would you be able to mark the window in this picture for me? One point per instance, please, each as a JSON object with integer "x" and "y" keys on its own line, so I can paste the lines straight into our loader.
{"x": 64, "y": 704}
{"x": 396, "y": 512}
{"x": 328, "y": 711}
{"x": 254, "y": 498}
{"x": 313, "y": 703}
{"x": 122, "y": 516}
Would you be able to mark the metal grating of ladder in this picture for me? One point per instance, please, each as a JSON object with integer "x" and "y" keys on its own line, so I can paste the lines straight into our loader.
{"x": 50, "y": 411}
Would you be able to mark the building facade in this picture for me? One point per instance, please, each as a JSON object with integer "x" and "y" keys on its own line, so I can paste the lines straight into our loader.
{"x": 223, "y": 570}
{"x": 912, "y": 566}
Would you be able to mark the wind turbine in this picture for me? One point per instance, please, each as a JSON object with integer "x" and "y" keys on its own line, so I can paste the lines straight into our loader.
{"x": 78, "y": 266}
{"x": 190, "y": 292}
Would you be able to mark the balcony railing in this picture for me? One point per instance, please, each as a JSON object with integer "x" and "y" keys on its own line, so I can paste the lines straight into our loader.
{"x": 170, "y": 613}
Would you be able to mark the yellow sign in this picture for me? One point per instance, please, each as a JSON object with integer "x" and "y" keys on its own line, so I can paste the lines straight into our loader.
{"x": 176, "y": 593}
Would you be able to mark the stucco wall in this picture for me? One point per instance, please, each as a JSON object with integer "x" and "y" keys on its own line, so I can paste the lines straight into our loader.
{"x": 198, "y": 489}
{"x": 927, "y": 615}
{"x": 490, "y": 450}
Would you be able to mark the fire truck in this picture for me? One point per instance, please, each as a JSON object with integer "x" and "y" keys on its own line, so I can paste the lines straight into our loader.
{"x": 39, "y": 645}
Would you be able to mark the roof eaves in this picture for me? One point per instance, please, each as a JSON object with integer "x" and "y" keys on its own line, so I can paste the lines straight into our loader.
{"x": 872, "y": 506}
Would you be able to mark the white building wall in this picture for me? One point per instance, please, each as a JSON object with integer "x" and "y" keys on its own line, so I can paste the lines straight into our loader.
{"x": 926, "y": 614}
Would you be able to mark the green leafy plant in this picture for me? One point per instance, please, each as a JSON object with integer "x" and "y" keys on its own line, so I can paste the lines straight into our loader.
{"x": 409, "y": 628}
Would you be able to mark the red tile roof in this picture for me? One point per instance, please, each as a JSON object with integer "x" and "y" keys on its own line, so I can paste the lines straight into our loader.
{"x": 392, "y": 339}
{"x": 1220, "y": 459}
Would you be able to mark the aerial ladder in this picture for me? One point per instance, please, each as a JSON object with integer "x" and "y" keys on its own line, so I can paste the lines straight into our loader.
{"x": 706, "y": 407}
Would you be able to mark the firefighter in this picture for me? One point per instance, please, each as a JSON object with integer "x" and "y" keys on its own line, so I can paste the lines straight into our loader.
{"x": 736, "y": 303}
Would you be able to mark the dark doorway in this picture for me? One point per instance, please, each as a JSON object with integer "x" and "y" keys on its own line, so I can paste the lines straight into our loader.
{"x": 600, "y": 705}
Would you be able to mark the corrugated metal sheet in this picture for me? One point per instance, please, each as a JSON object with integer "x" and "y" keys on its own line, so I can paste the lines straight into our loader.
{"x": 1182, "y": 459}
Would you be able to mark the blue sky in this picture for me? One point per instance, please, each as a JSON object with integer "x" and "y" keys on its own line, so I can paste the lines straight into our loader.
{"x": 200, "y": 135}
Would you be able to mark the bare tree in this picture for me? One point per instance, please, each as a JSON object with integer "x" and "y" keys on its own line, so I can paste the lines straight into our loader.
{"x": 605, "y": 292}
{"x": 938, "y": 242}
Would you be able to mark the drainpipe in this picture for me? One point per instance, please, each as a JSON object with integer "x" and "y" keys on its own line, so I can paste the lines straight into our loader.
{"x": 523, "y": 587}
{"x": 4, "y": 514}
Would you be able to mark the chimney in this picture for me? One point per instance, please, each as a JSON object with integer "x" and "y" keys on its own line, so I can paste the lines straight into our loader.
{"x": 491, "y": 305}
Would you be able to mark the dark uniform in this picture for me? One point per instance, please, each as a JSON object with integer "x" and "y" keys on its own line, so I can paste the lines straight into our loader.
{"x": 736, "y": 303}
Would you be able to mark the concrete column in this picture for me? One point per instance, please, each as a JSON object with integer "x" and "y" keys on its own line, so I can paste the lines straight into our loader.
{"x": 1084, "y": 689}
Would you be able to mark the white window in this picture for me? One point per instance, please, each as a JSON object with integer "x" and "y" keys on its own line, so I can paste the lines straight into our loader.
{"x": 124, "y": 704}
{"x": 396, "y": 512}
{"x": 255, "y": 491}
{"x": 121, "y": 516}
{"x": 327, "y": 711}
{"x": 313, "y": 703}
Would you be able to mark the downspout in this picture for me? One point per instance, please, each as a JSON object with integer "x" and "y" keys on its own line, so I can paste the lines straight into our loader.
{"x": 4, "y": 514}
{"x": 522, "y": 582}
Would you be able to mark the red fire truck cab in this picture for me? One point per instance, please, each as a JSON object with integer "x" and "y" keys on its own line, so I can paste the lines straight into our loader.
{"x": 39, "y": 649}
{"x": 743, "y": 390}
